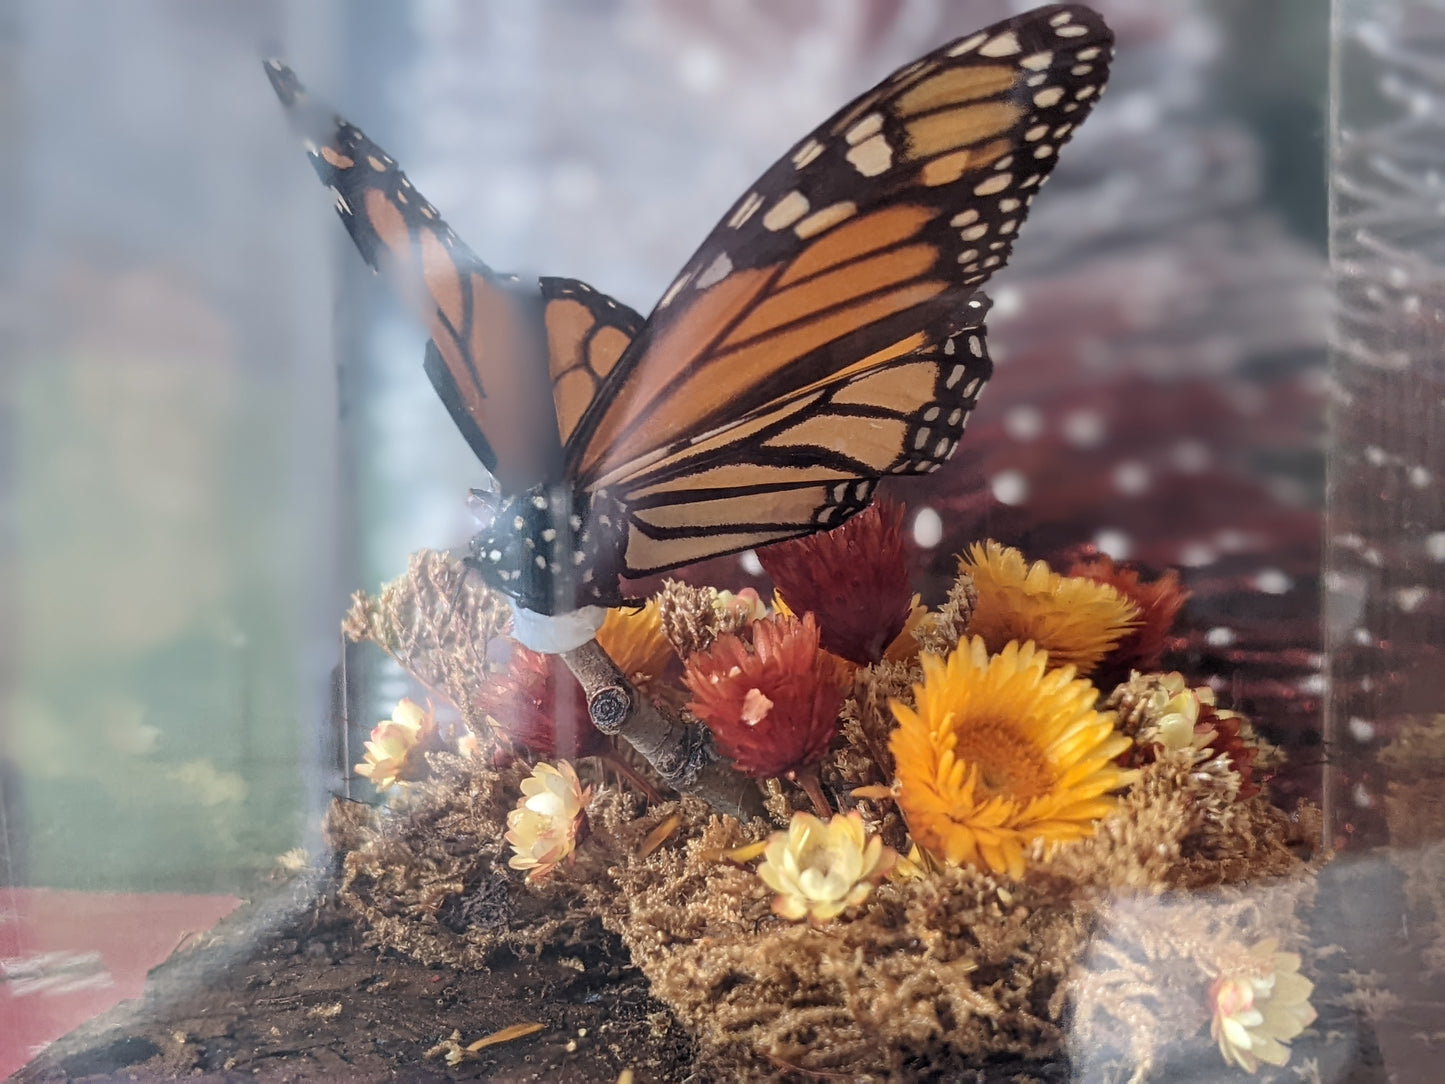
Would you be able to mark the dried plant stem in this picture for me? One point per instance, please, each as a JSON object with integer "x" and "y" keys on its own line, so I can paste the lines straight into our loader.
{"x": 681, "y": 754}
{"x": 625, "y": 771}
{"x": 813, "y": 788}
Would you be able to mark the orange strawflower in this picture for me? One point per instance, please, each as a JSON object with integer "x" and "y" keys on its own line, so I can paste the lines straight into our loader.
{"x": 1075, "y": 620}
{"x": 634, "y": 640}
{"x": 1001, "y": 751}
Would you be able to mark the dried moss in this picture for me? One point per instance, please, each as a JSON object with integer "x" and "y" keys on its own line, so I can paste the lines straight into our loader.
{"x": 959, "y": 965}
{"x": 689, "y": 619}
{"x": 428, "y": 877}
{"x": 1109, "y": 942}
{"x": 946, "y": 626}
{"x": 930, "y": 969}
{"x": 440, "y": 623}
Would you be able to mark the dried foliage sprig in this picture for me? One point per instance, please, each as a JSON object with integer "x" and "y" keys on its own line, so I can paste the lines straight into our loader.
{"x": 439, "y": 622}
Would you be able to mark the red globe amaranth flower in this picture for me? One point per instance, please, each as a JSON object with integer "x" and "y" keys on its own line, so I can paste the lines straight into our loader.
{"x": 772, "y": 710}
{"x": 1159, "y": 604}
{"x": 537, "y": 703}
{"x": 854, "y": 578}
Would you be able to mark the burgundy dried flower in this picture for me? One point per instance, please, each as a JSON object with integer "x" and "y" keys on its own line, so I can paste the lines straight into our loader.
{"x": 1159, "y": 604}
{"x": 538, "y": 704}
{"x": 773, "y": 710}
{"x": 1231, "y": 743}
{"x": 854, "y": 578}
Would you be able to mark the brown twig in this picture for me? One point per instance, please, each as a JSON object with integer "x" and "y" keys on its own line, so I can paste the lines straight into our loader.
{"x": 812, "y": 786}
{"x": 681, "y": 754}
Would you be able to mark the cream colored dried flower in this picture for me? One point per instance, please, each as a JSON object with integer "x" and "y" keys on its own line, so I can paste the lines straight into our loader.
{"x": 543, "y": 828}
{"x": 1173, "y": 708}
{"x": 820, "y": 870}
{"x": 393, "y": 752}
{"x": 469, "y": 745}
{"x": 1259, "y": 1007}
{"x": 740, "y": 609}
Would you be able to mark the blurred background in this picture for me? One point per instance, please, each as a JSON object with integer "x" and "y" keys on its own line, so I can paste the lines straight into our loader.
{"x": 214, "y": 425}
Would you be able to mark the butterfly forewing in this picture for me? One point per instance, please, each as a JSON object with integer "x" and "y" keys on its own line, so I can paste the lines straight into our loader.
{"x": 486, "y": 357}
{"x": 873, "y": 228}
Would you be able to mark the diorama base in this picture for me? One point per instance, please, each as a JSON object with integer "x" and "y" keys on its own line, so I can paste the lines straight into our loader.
{"x": 285, "y": 990}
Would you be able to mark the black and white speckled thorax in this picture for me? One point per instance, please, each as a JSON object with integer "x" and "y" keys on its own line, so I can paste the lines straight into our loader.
{"x": 552, "y": 551}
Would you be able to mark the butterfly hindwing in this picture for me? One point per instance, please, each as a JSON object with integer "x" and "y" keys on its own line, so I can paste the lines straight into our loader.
{"x": 806, "y": 464}
{"x": 587, "y": 334}
{"x": 872, "y": 229}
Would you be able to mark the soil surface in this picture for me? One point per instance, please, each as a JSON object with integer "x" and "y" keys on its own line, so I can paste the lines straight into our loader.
{"x": 285, "y": 991}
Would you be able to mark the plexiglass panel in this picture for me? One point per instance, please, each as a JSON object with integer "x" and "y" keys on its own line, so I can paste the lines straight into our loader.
{"x": 1206, "y": 851}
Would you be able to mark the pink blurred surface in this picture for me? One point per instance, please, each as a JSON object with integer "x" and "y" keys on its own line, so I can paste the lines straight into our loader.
{"x": 68, "y": 956}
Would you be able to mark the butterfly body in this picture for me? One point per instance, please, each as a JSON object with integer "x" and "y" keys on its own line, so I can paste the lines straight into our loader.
{"x": 827, "y": 333}
{"x": 552, "y": 550}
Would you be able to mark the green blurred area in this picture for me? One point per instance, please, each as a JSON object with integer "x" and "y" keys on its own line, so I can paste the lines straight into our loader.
{"x": 154, "y": 727}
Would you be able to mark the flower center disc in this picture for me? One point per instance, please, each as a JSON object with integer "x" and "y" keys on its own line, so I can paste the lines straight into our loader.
{"x": 1007, "y": 765}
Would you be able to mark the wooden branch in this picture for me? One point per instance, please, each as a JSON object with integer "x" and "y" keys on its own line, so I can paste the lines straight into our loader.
{"x": 683, "y": 755}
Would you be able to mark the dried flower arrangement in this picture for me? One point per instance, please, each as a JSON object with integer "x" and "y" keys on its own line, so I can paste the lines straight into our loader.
{"x": 981, "y": 844}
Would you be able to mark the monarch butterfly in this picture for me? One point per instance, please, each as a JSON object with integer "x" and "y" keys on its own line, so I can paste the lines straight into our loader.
{"x": 828, "y": 332}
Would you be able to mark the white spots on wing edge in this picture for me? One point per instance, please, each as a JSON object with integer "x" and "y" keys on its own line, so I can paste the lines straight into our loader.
{"x": 720, "y": 268}
{"x": 1005, "y": 44}
{"x": 967, "y": 45}
{"x": 786, "y": 211}
{"x": 807, "y": 153}
{"x": 865, "y": 129}
{"x": 872, "y": 157}
{"x": 745, "y": 210}
{"x": 995, "y": 184}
